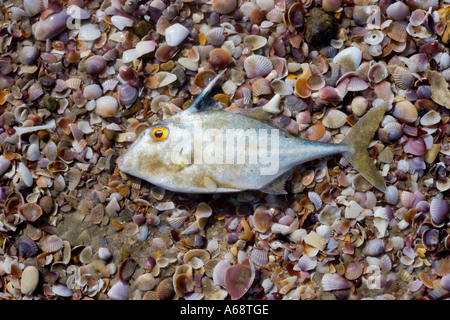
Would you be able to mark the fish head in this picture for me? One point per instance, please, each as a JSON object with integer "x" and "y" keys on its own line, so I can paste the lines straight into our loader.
{"x": 159, "y": 154}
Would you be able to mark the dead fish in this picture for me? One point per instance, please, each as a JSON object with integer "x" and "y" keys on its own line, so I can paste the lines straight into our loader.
{"x": 205, "y": 149}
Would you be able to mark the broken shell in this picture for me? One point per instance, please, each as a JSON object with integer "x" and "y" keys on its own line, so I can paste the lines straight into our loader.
{"x": 261, "y": 87}
{"x": 121, "y": 22}
{"x": 259, "y": 257}
{"x": 354, "y": 270}
{"x": 397, "y": 31}
{"x": 273, "y": 106}
{"x": 257, "y": 66}
{"x": 164, "y": 78}
{"x": 239, "y": 278}
{"x": 255, "y": 41}
{"x": 348, "y": 59}
{"x": 377, "y": 72}
{"x": 262, "y": 219}
{"x": 398, "y": 11}
{"x": 175, "y": 34}
{"x": 439, "y": 88}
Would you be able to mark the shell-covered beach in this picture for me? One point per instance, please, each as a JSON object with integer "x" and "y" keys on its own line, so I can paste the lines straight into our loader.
{"x": 80, "y": 80}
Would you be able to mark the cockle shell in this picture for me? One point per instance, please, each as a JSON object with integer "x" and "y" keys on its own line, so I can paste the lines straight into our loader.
{"x": 33, "y": 7}
{"x": 215, "y": 36}
{"x": 405, "y": 111}
{"x": 255, "y": 41}
{"x": 52, "y": 243}
{"x": 398, "y": 11}
{"x": 332, "y": 281}
{"x": 257, "y": 66}
{"x": 439, "y": 210}
{"x": 239, "y": 278}
{"x": 175, "y": 34}
{"x": 334, "y": 119}
{"x": 89, "y": 32}
{"x": 223, "y": 6}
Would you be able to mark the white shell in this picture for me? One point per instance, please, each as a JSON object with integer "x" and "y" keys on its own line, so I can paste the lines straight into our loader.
{"x": 145, "y": 47}
{"x": 349, "y": 59}
{"x": 62, "y": 290}
{"x": 121, "y": 22}
{"x": 215, "y": 36}
{"x": 430, "y": 118}
{"x": 106, "y": 106}
{"x": 76, "y": 12}
{"x": 33, "y": 7}
{"x": 188, "y": 64}
{"x": 119, "y": 291}
{"x": 165, "y": 78}
{"x": 89, "y": 32}
{"x": 130, "y": 55}
{"x": 273, "y": 106}
{"x": 92, "y": 91}
{"x": 175, "y": 34}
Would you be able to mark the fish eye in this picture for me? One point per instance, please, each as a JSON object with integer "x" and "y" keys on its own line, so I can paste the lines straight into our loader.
{"x": 159, "y": 133}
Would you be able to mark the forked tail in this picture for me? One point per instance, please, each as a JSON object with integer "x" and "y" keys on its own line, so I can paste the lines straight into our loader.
{"x": 358, "y": 139}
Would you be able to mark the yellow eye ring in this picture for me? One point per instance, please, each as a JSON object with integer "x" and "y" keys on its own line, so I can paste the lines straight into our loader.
{"x": 159, "y": 133}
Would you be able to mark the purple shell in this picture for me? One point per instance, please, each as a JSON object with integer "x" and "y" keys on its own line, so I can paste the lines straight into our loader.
{"x": 239, "y": 278}
{"x": 26, "y": 247}
{"x": 439, "y": 209}
{"x": 52, "y": 26}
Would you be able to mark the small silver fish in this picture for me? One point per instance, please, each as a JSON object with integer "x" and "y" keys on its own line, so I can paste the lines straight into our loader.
{"x": 204, "y": 149}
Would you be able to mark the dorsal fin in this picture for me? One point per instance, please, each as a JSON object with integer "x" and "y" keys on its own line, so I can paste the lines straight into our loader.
{"x": 205, "y": 98}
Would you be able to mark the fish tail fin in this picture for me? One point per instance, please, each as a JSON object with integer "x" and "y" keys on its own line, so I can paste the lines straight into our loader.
{"x": 358, "y": 139}
{"x": 204, "y": 99}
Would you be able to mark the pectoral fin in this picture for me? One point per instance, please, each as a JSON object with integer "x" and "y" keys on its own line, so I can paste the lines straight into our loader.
{"x": 277, "y": 185}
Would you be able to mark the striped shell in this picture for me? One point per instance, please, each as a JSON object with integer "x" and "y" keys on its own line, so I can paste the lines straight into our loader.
{"x": 259, "y": 257}
{"x": 223, "y": 6}
{"x": 332, "y": 281}
{"x": 403, "y": 78}
{"x": 215, "y": 36}
{"x": 106, "y": 106}
{"x": 257, "y": 66}
{"x": 334, "y": 119}
{"x": 33, "y": 7}
{"x": 52, "y": 243}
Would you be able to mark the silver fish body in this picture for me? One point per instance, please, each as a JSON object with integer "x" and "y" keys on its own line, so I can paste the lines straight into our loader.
{"x": 205, "y": 149}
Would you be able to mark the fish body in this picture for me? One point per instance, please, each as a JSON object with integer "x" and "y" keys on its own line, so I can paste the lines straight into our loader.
{"x": 205, "y": 149}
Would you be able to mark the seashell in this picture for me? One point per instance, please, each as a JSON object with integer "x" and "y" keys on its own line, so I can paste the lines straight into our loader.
{"x": 257, "y": 66}
{"x": 176, "y": 222}
{"x": 329, "y": 214}
{"x": 35, "y": 91}
{"x": 109, "y": 85}
{"x": 51, "y": 244}
{"x": 219, "y": 58}
{"x": 29, "y": 280}
{"x": 89, "y": 32}
{"x": 407, "y": 199}
{"x": 202, "y": 213}
{"x": 239, "y": 278}
{"x": 315, "y": 199}
{"x": 164, "y": 78}
{"x": 165, "y": 290}
{"x": 30, "y": 211}
{"x": 315, "y": 132}
{"x": 356, "y": 84}
{"x": 104, "y": 253}
{"x": 374, "y": 37}
{"x": 26, "y": 247}
{"x": 439, "y": 88}
{"x": 219, "y": 272}
{"x": 302, "y": 89}
{"x": 95, "y": 64}
{"x": 397, "y": 31}
{"x": 106, "y": 106}
{"x": 259, "y": 257}
{"x": 126, "y": 269}
{"x": 51, "y": 26}
{"x": 398, "y": 11}
{"x": 439, "y": 209}
{"x": 215, "y": 36}
{"x": 331, "y": 5}
{"x": 119, "y": 291}
{"x": 359, "y": 105}
{"x": 332, "y": 281}
{"x": 403, "y": 78}
{"x": 354, "y": 270}
{"x": 77, "y": 13}
{"x": 121, "y": 22}
{"x": 146, "y": 282}
{"x": 306, "y": 263}
{"x": 223, "y": 6}
{"x": 127, "y": 94}
{"x": 73, "y": 83}
{"x": 315, "y": 240}
{"x": 261, "y": 87}
{"x": 255, "y": 41}
{"x": 175, "y": 34}
{"x": 405, "y": 111}
{"x": 32, "y": 153}
{"x": 28, "y": 55}
{"x": 377, "y": 72}
{"x": 417, "y": 17}
{"x": 282, "y": 88}
{"x": 430, "y": 118}
{"x": 334, "y": 118}
{"x": 445, "y": 282}
{"x": 33, "y": 7}
{"x": 62, "y": 290}
{"x": 430, "y": 239}
{"x": 273, "y": 106}
{"x": 92, "y": 92}
{"x": 188, "y": 64}
{"x": 374, "y": 247}
{"x": 144, "y": 47}
{"x": 165, "y": 52}
{"x": 348, "y": 59}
